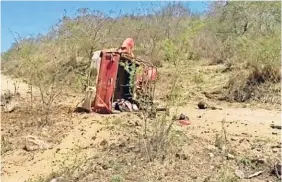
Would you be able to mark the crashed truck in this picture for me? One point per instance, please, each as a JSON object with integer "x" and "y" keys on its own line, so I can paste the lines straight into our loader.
{"x": 123, "y": 84}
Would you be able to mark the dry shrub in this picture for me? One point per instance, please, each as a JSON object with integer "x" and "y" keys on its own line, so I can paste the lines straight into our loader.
{"x": 244, "y": 85}
{"x": 157, "y": 134}
{"x": 267, "y": 74}
{"x": 268, "y": 93}
{"x": 5, "y": 144}
{"x": 206, "y": 45}
{"x": 237, "y": 88}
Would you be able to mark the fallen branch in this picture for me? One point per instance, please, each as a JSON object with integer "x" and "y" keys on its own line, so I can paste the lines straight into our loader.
{"x": 277, "y": 169}
{"x": 161, "y": 109}
{"x": 276, "y": 126}
{"x": 255, "y": 174}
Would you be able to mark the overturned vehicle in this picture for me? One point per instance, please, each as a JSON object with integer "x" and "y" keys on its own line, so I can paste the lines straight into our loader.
{"x": 123, "y": 84}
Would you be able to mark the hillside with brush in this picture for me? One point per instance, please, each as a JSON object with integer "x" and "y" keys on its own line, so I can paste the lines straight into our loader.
{"x": 220, "y": 70}
{"x": 244, "y": 37}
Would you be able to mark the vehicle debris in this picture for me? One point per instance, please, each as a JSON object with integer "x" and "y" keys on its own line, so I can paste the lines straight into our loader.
{"x": 184, "y": 120}
{"x": 124, "y": 106}
{"x": 122, "y": 81}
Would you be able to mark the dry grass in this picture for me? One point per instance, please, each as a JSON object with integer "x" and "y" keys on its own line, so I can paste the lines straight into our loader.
{"x": 25, "y": 121}
{"x": 186, "y": 153}
{"x": 122, "y": 160}
{"x": 246, "y": 84}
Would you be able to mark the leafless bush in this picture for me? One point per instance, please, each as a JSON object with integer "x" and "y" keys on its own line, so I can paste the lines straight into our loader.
{"x": 5, "y": 144}
{"x": 244, "y": 84}
{"x": 49, "y": 91}
{"x": 157, "y": 134}
{"x": 45, "y": 73}
{"x": 206, "y": 45}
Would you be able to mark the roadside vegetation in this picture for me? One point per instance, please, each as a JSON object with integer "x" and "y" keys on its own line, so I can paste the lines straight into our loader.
{"x": 244, "y": 36}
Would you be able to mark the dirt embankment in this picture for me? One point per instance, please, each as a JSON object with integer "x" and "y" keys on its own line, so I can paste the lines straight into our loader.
{"x": 8, "y": 83}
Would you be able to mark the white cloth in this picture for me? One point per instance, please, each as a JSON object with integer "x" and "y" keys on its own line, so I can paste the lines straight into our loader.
{"x": 96, "y": 59}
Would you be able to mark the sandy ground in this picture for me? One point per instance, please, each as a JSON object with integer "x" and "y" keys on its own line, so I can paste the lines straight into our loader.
{"x": 9, "y": 84}
{"x": 21, "y": 165}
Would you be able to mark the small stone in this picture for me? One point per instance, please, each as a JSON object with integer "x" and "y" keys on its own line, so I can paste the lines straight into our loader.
{"x": 53, "y": 180}
{"x": 276, "y": 146}
{"x": 105, "y": 166}
{"x": 103, "y": 142}
{"x": 181, "y": 156}
{"x": 34, "y": 143}
{"x": 202, "y": 105}
{"x": 233, "y": 139}
{"x": 224, "y": 148}
{"x": 184, "y": 156}
{"x": 44, "y": 133}
{"x": 211, "y": 155}
{"x": 137, "y": 123}
{"x": 258, "y": 161}
{"x": 230, "y": 156}
{"x": 84, "y": 117}
{"x": 121, "y": 144}
{"x": 211, "y": 147}
{"x": 58, "y": 179}
{"x": 239, "y": 174}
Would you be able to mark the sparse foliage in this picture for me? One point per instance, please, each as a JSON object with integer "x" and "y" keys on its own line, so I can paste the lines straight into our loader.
{"x": 234, "y": 33}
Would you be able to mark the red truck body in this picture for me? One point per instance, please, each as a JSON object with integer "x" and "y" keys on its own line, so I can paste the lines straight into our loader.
{"x": 112, "y": 81}
{"x": 106, "y": 83}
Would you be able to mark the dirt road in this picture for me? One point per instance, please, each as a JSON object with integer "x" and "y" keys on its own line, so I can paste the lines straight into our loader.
{"x": 18, "y": 166}
{"x": 10, "y": 84}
